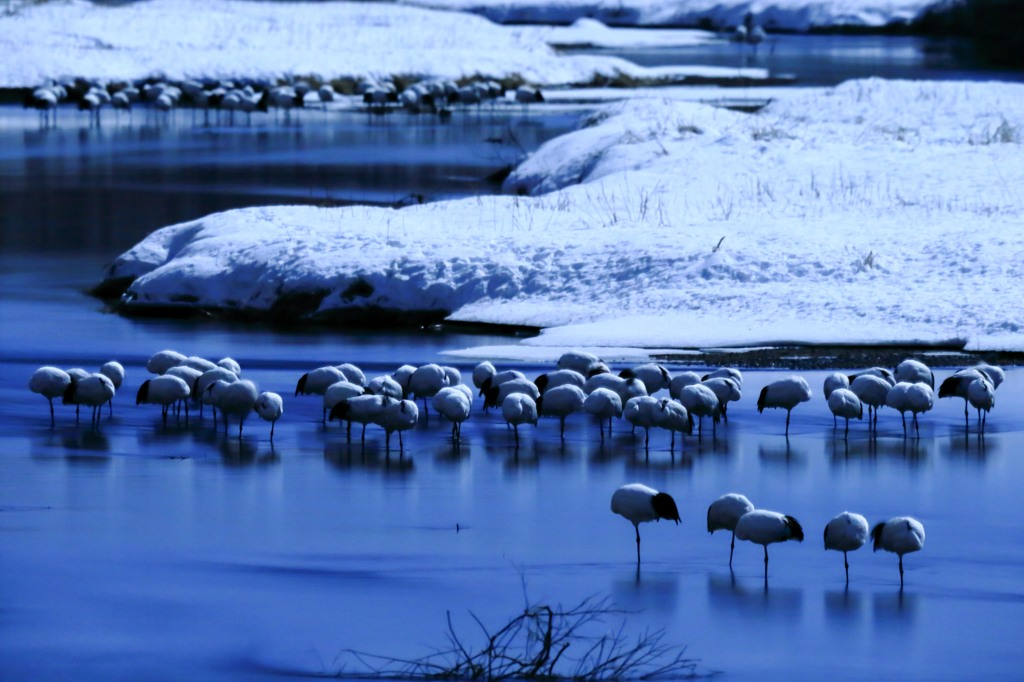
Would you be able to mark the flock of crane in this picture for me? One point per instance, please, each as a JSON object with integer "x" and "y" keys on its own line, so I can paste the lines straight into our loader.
{"x": 436, "y": 96}
{"x": 733, "y": 512}
{"x": 581, "y": 383}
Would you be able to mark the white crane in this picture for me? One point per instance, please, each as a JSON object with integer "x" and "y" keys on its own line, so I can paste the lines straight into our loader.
{"x": 454, "y": 405}
{"x": 426, "y": 381}
{"x": 846, "y": 532}
{"x": 700, "y": 401}
{"x": 725, "y": 512}
{"x": 915, "y": 398}
{"x": 677, "y": 419}
{"x": 844, "y": 403}
{"x": 914, "y": 371}
{"x": 726, "y": 390}
{"x": 364, "y": 409}
{"x": 872, "y": 391}
{"x": 832, "y": 382}
{"x": 399, "y": 415}
{"x": 93, "y": 391}
{"x": 164, "y": 390}
{"x": 981, "y": 394}
{"x": 638, "y": 503}
{"x": 604, "y": 404}
{"x": 654, "y": 376}
{"x": 270, "y": 407}
{"x": 646, "y": 412}
{"x": 764, "y": 527}
{"x": 560, "y": 377}
{"x": 900, "y": 535}
{"x": 162, "y": 361}
{"x": 338, "y": 391}
{"x": 560, "y": 402}
{"x": 725, "y": 373}
{"x": 49, "y": 382}
{"x": 317, "y": 381}
{"x": 114, "y": 371}
{"x": 519, "y": 408}
{"x": 235, "y": 399}
{"x": 786, "y": 394}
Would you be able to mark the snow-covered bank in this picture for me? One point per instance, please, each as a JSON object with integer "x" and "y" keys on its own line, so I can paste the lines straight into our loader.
{"x": 790, "y": 15}
{"x": 874, "y": 212}
{"x": 278, "y": 41}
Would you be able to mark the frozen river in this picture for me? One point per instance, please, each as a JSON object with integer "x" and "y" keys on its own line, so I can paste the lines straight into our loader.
{"x": 143, "y": 552}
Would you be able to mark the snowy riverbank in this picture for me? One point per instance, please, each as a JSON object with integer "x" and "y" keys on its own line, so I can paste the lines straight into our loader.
{"x": 323, "y": 41}
{"x": 874, "y": 212}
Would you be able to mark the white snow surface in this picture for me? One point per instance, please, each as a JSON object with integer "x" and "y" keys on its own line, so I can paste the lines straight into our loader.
{"x": 792, "y": 15}
{"x": 277, "y": 41}
{"x": 873, "y": 212}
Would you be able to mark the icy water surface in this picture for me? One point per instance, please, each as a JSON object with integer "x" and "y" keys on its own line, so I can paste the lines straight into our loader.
{"x": 143, "y": 552}
{"x": 79, "y": 186}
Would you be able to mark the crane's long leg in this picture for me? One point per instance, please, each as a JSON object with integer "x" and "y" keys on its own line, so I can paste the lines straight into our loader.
{"x": 901, "y": 571}
{"x": 732, "y": 548}
{"x": 847, "y": 565}
{"x": 637, "y": 528}
{"x": 766, "y": 562}
{"x": 53, "y": 421}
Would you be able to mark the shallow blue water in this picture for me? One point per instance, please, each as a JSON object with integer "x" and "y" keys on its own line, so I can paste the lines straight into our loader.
{"x": 143, "y": 552}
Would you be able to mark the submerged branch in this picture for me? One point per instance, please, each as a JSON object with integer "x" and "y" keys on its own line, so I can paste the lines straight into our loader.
{"x": 536, "y": 644}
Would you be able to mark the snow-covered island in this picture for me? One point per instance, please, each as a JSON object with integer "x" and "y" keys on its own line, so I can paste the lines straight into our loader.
{"x": 874, "y": 212}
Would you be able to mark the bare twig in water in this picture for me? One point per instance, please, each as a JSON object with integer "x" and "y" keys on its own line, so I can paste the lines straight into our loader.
{"x": 540, "y": 643}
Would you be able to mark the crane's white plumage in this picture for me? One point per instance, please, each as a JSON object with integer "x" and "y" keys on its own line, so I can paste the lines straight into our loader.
{"x": 385, "y": 385}
{"x": 846, "y": 532}
{"x": 981, "y": 394}
{"x": 454, "y": 405}
{"x": 726, "y": 390}
{"x": 579, "y": 361}
{"x": 363, "y": 409}
{"x": 785, "y": 393}
{"x": 726, "y": 373}
{"x": 353, "y": 374}
{"x": 164, "y": 390}
{"x": 644, "y": 411}
{"x": 399, "y": 415}
{"x": 338, "y": 391}
{"x": 198, "y": 363}
{"x": 49, "y": 382}
{"x": 427, "y": 380}
{"x": 639, "y": 503}
{"x": 231, "y": 365}
{"x": 844, "y": 403}
{"x": 900, "y": 535}
{"x": 914, "y": 371}
{"x": 560, "y": 377}
{"x": 561, "y": 401}
{"x": 317, "y": 381}
{"x": 763, "y": 527}
{"x": 872, "y": 391}
{"x": 496, "y": 394}
{"x": 453, "y": 374}
{"x": 654, "y": 376}
{"x": 164, "y": 360}
{"x": 519, "y": 408}
{"x": 956, "y": 386}
{"x": 236, "y": 399}
{"x": 604, "y": 404}
{"x": 881, "y": 372}
{"x": 676, "y": 420}
{"x": 700, "y": 401}
{"x": 832, "y": 382}
{"x": 995, "y": 374}
{"x": 681, "y": 381}
{"x": 208, "y": 378}
{"x": 725, "y": 512}
{"x": 270, "y": 407}
{"x": 92, "y": 390}
{"x": 914, "y": 398}
{"x": 482, "y": 372}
